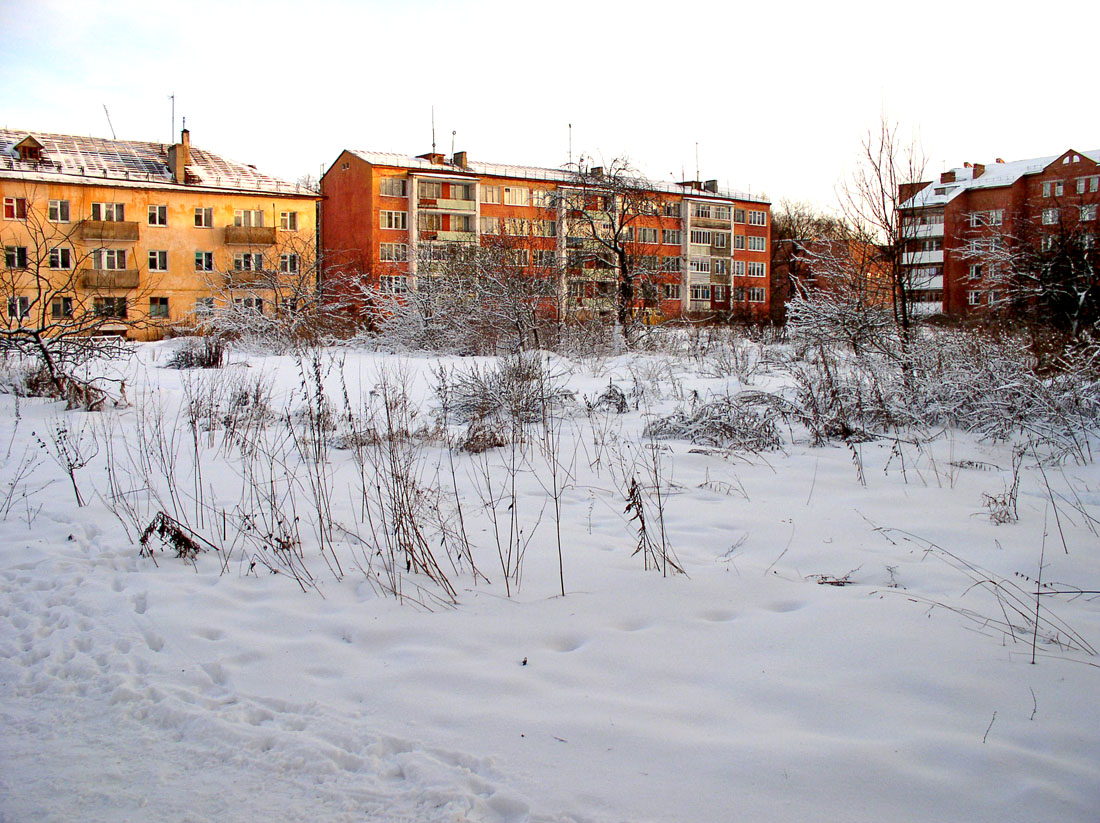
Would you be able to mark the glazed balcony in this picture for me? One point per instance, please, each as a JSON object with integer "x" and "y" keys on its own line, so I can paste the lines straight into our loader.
{"x": 443, "y": 204}
{"x": 250, "y": 235}
{"x": 109, "y": 278}
{"x": 922, "y": 258}
{"x": 117, "y": 231}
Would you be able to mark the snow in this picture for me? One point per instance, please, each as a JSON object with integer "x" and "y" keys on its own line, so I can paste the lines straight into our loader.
{"x": 743, "y": 690}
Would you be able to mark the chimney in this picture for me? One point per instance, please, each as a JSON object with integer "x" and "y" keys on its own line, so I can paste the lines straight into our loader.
{"x": 179, "y": 157}
{"x": 460, "y": 160}
{"x": 1000, "y": 159}
{"x": 711, "y": 186}
{"x": 435, "y": 158}
{"x": 948, "y": 177}
{"x": 596, "y": 171}
{"x": 967, "y": 165}
{"x": 979, "y": 170}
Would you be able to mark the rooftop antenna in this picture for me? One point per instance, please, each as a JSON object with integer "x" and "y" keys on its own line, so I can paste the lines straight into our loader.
{"x": 172, "y": 134}
{"x": 433, "y": 129}
{"x": 696, "y": 159}
{"x": 570, "y": 144}
{"x": 113, "y": 137}
{"x": 453, "y": 133}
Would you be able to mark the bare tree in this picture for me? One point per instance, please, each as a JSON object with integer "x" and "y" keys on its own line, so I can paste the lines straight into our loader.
{"x": 871, "y": 199}
{"x": 613, "y": 216}
{"x": 68, "y": 298}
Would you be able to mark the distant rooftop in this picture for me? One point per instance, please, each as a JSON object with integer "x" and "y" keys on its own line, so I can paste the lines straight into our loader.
{"x": 995, "y": 175}
{"x": 129, "y": 163}
{"x": 476, "y": 167}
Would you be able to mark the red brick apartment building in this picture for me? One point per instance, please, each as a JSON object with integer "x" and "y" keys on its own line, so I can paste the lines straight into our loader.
{"x": 976, "y": 218}
{"x": 388, "y": 217}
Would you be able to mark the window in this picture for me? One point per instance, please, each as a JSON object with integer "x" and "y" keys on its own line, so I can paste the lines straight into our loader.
{"x": 756, "y": 294}
{"x": 516, "y": 197}
{"x": 700, "y": 291}
{"x": 1091, "y": 184}
{"x": 738, "y": 215}
{"x": 718, "y": 293}
{"x": 975, "y": 271}
{"x": 289, "y": 263}
{"x": 395, "y": 220}
{"x": 670, "y": 209}
{"x": 490, "y": 194}
{"x": 996, "y": 217}
{"x": 248, "y": 261}
{"x": 110, "y": 212}
{"x": 721, "y": 240}
{"x": 158, "y": 307}
{"x": 204, "y": 261}
{"x": 756, "y": 243}
{"x": 739, "y": 242}
{"x": 701, "y": 238}
{"x": 1088, "y": 241}
{"x": 461, "y": 191}
{"x": 547, "y": 228}
{"x": 542, "y": 198}
{"x": 61, "y": 307}
{"x": 758, "y": 218}
{"x": 672, "y": 291}
{"x": 974, "y": 298}
{"x": 700, "y": 265}
{"x": 109, "y": 259}
{"x": 739, "y": 294}
{"x": 739, "y": 268}
{"x": 490, "y": 225}
{"x": 15, "y": 208}
{"x": 721, "y": 212}
{"x": 204, "y": 218}
{"x": 1050, "y": 216}
{"x": 516, "y": 257}
{"x": 670, "y": 264}
{"x": 516, "y": 227}
{"x": 19, "y": 307}
{"x": 393, "y": 283}
{"x": 700, "y": 210}
{"x": 110, "y": 307}
{"x": 1088, "y": 212}
{"x": 545, "y": 258}
{"x": 248, "y": 217}
{"x": 1052, "y": 187}
{"x": 671, "y": 237}
{"x": 59, "y": 211}
{"x": 757, "y": 270}
{"x": 250, "y": 304}
{"x": 719, "y": 265}
{"x": 429, "y": 221}
{"x": 158, "y": 215}
{"x": 646, "y": 235}
{"x": 392, "y": 187}
{"x": 430, "y": 189}
{"x": 393, "y": 252}
{"x": 288, "y": 220}
{"x": 204, "y": 307}
{"x": 61, "y": 258}
{"x": 158, "y": 261}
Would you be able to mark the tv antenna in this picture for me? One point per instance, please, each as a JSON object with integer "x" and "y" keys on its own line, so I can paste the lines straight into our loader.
{"x": 113, "y": 137}
{"x": 453, "y": 133}
{"x": 570, "y": 144}
{"x": 433, "y": 129}
{"x": 172, "y": 134}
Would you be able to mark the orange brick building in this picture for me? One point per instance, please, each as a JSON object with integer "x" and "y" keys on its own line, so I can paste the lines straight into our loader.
{"x": 386, "y": 217}
{"x": 975, "y": 218}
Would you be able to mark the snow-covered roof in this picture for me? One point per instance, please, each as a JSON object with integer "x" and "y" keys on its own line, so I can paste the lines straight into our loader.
{"x": 995, "y": 175}
{"x": 479, "y": 168}
{"x": 128, "y": 163}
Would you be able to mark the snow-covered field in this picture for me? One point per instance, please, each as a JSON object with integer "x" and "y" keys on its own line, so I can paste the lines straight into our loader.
{"x": 749, "y": 688}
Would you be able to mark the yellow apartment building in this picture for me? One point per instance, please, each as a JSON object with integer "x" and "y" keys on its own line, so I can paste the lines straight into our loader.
{"x": 142, "y": 236}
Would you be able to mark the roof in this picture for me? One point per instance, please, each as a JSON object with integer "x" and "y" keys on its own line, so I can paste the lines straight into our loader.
{"x": 130, "y": 164}
{"x": 995, "y": 175}
{"x": 479, "y": 168}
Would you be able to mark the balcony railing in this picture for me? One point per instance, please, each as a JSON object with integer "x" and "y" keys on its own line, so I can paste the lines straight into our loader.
{"x": 109, "y": 278}
{"x": 115, "y": 230}
{"x": 250, "y": 235}
{"x": 920, "y": 258}
{"x": 440, "y": 204}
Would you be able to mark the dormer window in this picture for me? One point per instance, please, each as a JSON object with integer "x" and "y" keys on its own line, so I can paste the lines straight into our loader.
{"x": 29, "y": 149}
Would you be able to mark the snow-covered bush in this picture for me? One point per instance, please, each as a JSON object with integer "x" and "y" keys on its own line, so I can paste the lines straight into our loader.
{"x": 744, "y": 422}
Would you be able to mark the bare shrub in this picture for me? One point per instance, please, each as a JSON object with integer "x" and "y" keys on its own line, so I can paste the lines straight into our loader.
{"x": 207, "y": 352}
{"x": 739, "y": 423}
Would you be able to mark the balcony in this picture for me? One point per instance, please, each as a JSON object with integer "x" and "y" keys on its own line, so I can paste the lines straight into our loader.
{"x": 109, "y": 278}
{"x": 926, "y": 283}
{"x": 117, "y": 231}
{"x": 709, "y": 223}
{"x": 250, "y": 235}
{"x": 921, "y": 258}
{"x": 450, "y": 236}
{"x": 926, "y": 230}
{"x": 247, "y": 279}
{"x": 440, "y": 204}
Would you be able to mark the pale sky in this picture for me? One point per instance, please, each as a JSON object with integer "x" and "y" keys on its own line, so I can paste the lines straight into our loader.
{"x": 777, "y": 95}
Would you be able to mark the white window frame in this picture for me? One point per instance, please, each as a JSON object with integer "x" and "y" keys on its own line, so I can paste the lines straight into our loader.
{"x": 289, "y": 263}
{"x": 393, "y": 252}
{"x": 490, "y": 195}
{"x": 490, "y": 225}
{"x": 58, "y": 211}
{"x": 1087, "y": 212}
{"x": 248, "y": 261}
{"x": 973, "y": 298}
{"x": 109, "y": 212}
{"x": 158, "y": 307}
{"x": 393, "y": 284}
{"x": 738, "y": 268}
{"x": 204, "y": 217}
{"x": 701, "y": 237}
{"x": 393, "y": 187}
{"x": 699, "y": 265}
{"x": 158, "y": 260}
{"x": 1050, "y": 216}
{"x": 517, "y": 196}
{"x": 758, "y": 218}
{"x": 429, "y": 190}
{"x": 756, "y": 294}
{"x": 109, "y": 259}
{"x": 393, "y": 220}
{"x": 756, "y": 269}
{"x": 157, "y": 215}
{"x": 248, "y": 218}
{"x": 700, "y": 292}
{"x": 672, "y": 291}
{"x": 204, "y": 260}
{"x": 672, "y": 237}
{"x": 19, "y": 307}
{"x": 757, "y": 243}
{"x": 61, "y": 258}
{"x": 288, "y": 220}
